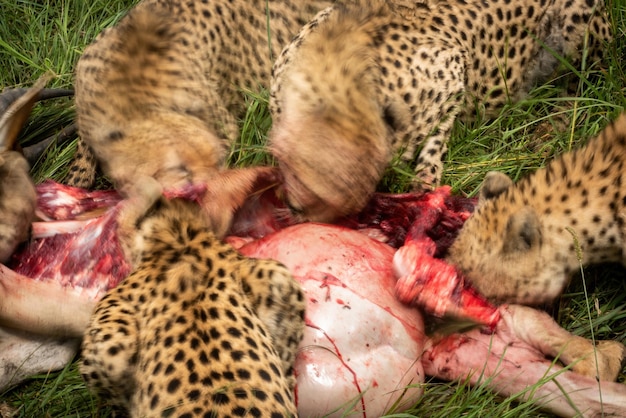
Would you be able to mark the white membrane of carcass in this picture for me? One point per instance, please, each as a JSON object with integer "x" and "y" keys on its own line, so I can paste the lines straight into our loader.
{"x": 362, "y": 348}
{"x": 354, "y": 354}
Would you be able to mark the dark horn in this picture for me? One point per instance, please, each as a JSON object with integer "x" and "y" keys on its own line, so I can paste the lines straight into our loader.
{"x": 9, "y": 96}
{"x": 18, "y": 107}
{"x": 34, "y": 152}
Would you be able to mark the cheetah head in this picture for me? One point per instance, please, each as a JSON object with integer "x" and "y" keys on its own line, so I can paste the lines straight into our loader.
{"x": 329, "y": 168}
{"x": 334, "y": 184}
{"x": 504, "y": 251}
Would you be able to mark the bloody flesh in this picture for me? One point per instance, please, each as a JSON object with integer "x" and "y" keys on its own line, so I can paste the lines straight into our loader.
{"x": 427, "y": 223}
{"x": 89, "y": 256}
{"x": 360, "y": 343}
{"x": 60, "y": 202}
{"x": 427, "y": 281}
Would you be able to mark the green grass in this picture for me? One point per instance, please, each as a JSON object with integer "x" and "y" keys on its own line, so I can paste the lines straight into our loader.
{"x": 39, "y": 36}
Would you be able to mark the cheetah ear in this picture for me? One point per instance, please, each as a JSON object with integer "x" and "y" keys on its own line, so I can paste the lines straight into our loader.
{"x": 494, "y": 184}
{"x": 523, "y": 232}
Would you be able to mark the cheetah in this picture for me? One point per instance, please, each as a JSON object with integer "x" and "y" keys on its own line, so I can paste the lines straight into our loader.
{"x": 159, "y": 93}
{"x": 196, "y": 330}
{"x": 520, "y": 245}
{"x": 365, "y": 81}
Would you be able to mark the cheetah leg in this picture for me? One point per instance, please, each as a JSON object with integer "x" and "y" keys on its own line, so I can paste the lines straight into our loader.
{"x": 278, "y": 301}
{"x": 444, "y": 109}
{"x": 602, "y": 361}
{"x": 429, "y": 167}
{"x": 82, "y": 169}
{"x": 142, "y": 195}
{"x": 109, "y": 350}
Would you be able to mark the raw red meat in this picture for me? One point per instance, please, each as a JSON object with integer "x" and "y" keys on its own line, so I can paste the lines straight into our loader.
{"x": 59, "y": 202}
{"x": 427, "y": 225}
{"x": 50, "y": 285}
{"x": 89, "y": 257}
{"x": 427, "y": 281}
{"x": 394, "y": 215}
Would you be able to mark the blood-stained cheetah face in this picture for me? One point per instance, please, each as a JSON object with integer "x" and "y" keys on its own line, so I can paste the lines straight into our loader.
{"x": 316, "y": 193}
{"x": 524, "y": 241}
